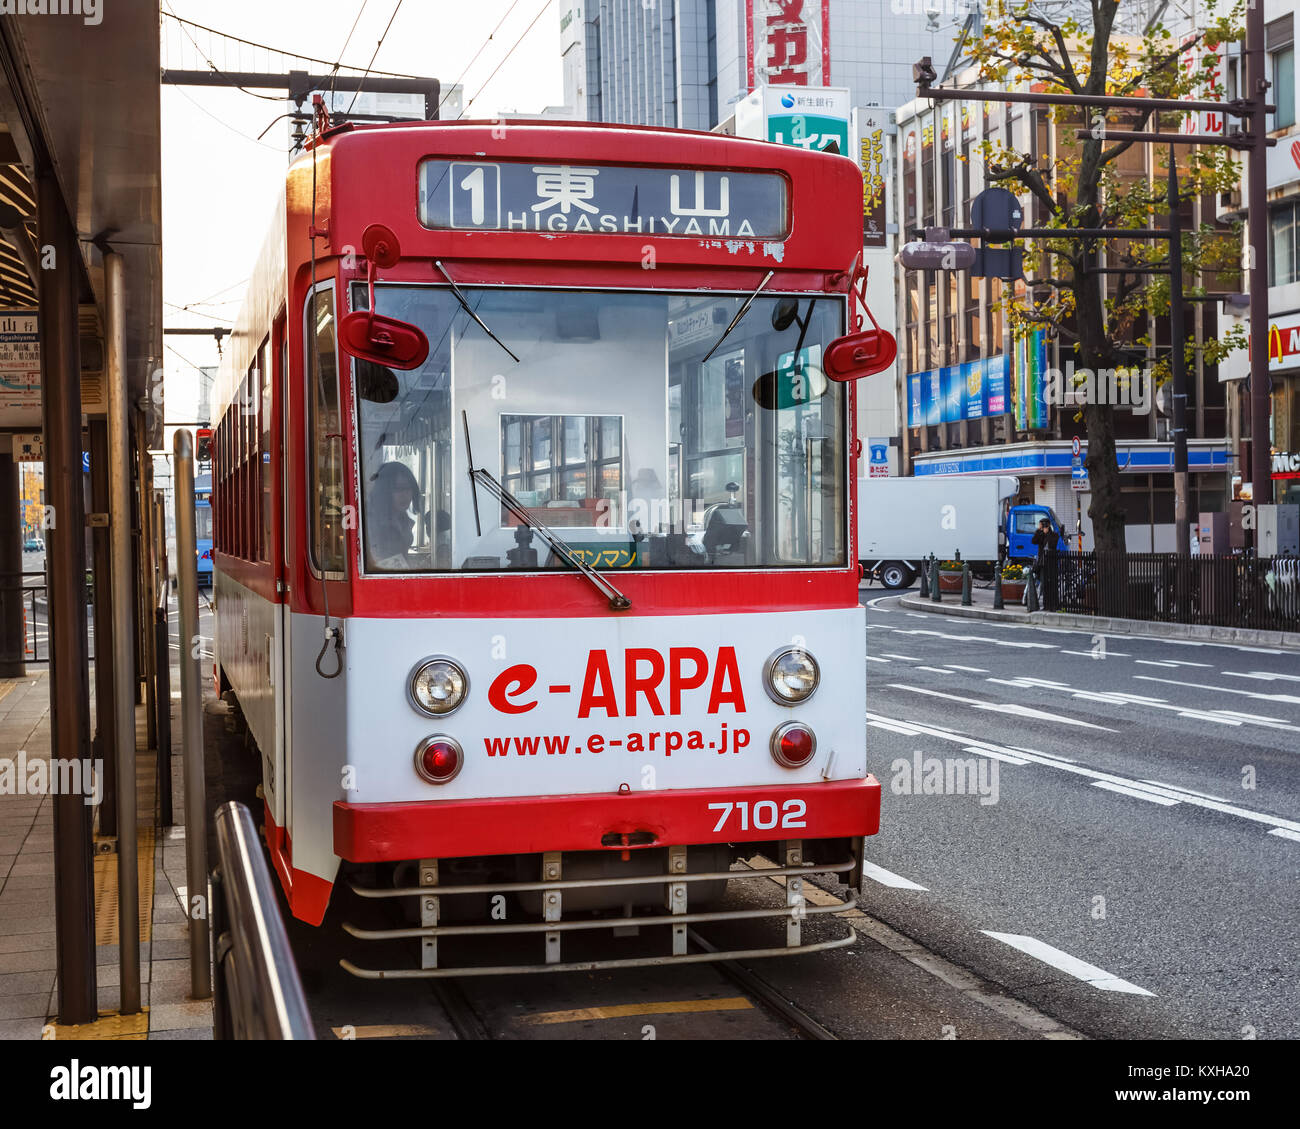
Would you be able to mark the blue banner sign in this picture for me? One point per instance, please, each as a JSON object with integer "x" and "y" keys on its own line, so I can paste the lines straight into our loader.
{"x": 956, "y": 392}
{"x": 601, "y": 199}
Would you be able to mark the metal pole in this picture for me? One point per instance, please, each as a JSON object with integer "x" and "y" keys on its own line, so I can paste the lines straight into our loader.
{"x": 119, "y": 439}
{"x": 1178, "y": 362}
{"x": 196, "y": 829}
{"x": 148, "y": 588}
{"x": 12, "y": 664}
{"x": 105, "y": 694}
{"x": 74, "y": 904}
{"x": 1257, "y": 203}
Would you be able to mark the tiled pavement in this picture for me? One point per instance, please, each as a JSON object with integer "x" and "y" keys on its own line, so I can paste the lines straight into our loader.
{"x": 28, "y": 997}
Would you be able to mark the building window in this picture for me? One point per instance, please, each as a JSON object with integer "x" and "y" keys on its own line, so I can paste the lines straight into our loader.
{"x": 1284, "y": 220}
{"x": 1283, "y": 67}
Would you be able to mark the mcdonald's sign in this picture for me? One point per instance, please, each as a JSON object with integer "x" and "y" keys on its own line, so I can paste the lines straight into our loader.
{"x": 1284, "y": 342}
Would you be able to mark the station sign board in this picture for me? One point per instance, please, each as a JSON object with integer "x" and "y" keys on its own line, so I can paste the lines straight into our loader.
{"x": 20, "y": 359}
{"x": 601, "y": 199}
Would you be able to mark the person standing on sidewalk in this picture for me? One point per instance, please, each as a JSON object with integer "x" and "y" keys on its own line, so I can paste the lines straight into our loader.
{"x": 1044, "y": 541}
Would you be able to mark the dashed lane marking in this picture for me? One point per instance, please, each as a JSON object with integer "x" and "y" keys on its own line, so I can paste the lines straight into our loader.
{"x": 622, "y": 1011}
{"x": 902, "y": 729}
{"x": 1150, "y": 797}
{"x": 933, "y": 669}
{"x": 995, "y": 755}
{"x": 970, "y": 985}
{"x": 971, "y": 669}
{"x": 889, "y": 878}
{"x": 1291, "y": 698}
{"x": 1012, "y": 708}
{"x": 1286, "y": 834}
{"x": 975, "y": 639}
{"x": 1179, "y": 788}
{"x": 905, "y": 658}
{"x": 1099, "y": 978}
{"x": 1192, "y": 799}
{"x": 1263, "y": 675}
{"x": 874, "y": 659}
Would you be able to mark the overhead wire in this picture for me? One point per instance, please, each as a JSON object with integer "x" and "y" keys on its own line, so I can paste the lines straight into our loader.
{"x": 477, "y": 53}
{"x": 279, "y": 51}
{"x": 251, "y": 140}
{"x": 357, "y": 93}
{"x": 545, "y": 5}
{"x": 334, "y": 72}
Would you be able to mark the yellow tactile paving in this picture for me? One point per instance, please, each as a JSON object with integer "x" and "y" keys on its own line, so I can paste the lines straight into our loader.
{"x": 619, "y": 1011}
{"x": 109, "y": 1025}
{"x": 106, "y": 890}
{"x": 5, "y": 687}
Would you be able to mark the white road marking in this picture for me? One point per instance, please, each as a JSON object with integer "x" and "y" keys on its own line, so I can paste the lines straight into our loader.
{"x": 1188, "y": 791}
{"x": 976, "y": 639}
{"x": 873, "y": 659}
{"x": 1152, "y": 662}
{"x": 888, "y": 877}
{"x": 873, "y": 602}
{"x": 1098, "y": 655}
{"x": 1285, "y": 834}
{"x": 1135, "y": 793}
{"x": 1192, "y": 799}
{"x": 904, "y": 730}
{"x": 972, "y": 669}
{"x": 905, "y": 658}
{"x": 995, "y": 755}
{"x": 1292, "y": 698}
{"x": 1263, "y": 675}
{"x": 1012, "y": 708}
{"x": 933, "y": 669}
{"x": 1072, "y": 966}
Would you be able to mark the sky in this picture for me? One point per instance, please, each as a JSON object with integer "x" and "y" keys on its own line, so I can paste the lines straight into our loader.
{"x": 219, "y": 183}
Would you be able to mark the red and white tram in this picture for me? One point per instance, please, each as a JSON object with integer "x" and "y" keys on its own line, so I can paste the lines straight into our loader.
{"x": 537, "y": 588}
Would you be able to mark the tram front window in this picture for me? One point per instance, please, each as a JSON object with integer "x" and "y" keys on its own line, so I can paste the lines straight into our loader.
{"x": 611, "y": 430}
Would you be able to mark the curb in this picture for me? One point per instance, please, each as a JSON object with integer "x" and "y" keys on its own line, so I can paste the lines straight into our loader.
{"x": 1103, "y": 625}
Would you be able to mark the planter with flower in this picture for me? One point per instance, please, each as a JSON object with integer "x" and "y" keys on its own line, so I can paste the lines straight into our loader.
{"x": 1013, "y": 582}
{"x": 950, "y": 576}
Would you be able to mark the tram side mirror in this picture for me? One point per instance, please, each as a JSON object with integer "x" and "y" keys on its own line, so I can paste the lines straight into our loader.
{"x": 856, "y": 355}
{"x": 369, "y": 336}
{"x": 376, "y": 384}
{"x": 784, "y": 314}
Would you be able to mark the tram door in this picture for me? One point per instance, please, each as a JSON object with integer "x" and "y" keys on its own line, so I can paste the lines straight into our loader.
{"x": 281, "y": 665}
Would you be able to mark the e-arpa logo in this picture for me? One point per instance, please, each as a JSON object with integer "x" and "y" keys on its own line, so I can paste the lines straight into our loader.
{"x": 75, "y": 1082}
{"x": 89, "y": 10}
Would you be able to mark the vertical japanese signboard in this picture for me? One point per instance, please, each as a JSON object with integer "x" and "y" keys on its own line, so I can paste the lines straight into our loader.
{"x": 1206, "y": 62}
{"x": 869, "y": 129}
{"x": 20, "y": 360}
{"x": 788, "y": 42}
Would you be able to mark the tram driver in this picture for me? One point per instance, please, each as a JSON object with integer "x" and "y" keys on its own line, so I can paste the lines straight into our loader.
{"x": 391, "y": 517}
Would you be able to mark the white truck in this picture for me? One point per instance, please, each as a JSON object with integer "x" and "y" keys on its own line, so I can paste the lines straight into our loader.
{"x": 901, "y": 521}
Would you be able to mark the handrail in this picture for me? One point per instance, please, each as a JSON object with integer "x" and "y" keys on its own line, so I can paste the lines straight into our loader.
{"x": 258, "y": 994}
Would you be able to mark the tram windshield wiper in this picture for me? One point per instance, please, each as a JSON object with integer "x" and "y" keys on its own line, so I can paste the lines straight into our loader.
{"x": 478, "y": 476}
{"x": 464, "y": 305}
{"x": 740, "y": 313}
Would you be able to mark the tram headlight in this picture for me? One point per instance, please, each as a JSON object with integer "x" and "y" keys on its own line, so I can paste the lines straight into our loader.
{"x": 791, "y": 676}
{"x": 438, "y": 686}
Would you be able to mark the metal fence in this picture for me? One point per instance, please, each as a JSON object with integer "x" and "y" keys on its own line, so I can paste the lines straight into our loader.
{"x": 30, "y": 589}
{"x": 1221, "y": 591}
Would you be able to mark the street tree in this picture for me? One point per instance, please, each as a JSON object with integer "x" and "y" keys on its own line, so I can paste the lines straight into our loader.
{"x": 1106, "y": 321}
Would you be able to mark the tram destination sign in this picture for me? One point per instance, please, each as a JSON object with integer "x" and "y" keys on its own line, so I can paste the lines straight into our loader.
{"x": 602, "y": 199}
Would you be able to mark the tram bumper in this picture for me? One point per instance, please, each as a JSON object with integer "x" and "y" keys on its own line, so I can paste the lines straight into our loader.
{"x": 559, "y": 841}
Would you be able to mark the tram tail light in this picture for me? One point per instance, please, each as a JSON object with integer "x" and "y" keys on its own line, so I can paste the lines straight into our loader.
{"x": 439, "y": 758}
{"x": 793, "y": 744}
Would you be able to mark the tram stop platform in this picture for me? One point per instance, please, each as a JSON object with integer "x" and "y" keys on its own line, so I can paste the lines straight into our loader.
{"x": 28, "y": 999}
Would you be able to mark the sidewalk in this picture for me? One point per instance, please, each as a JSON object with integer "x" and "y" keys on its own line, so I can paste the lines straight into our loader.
{"x": 28, "y": 997}
{"x": 1015, "y": 613}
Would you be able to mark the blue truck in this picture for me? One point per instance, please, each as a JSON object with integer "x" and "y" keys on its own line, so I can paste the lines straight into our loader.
{"x": 203, "y": 527}
{"x": 901, "y": 521}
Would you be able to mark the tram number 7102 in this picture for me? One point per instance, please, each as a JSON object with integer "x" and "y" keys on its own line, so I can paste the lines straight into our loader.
{"x": 764, "y": 814}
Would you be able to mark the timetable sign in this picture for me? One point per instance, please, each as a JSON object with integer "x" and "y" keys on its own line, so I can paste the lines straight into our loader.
{"x": 602, "y": 199}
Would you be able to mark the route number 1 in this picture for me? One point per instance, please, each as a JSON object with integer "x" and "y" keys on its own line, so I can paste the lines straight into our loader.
{"x": 764, "y": 814}
{"x": 475, "y": 195}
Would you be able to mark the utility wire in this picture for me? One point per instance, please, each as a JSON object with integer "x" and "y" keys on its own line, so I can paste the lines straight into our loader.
{"x": 477, "y": 53}
{"x": 357, "y": 93}
{"x": 545, "y": 5}
{"x": 218, "y": 71}
{"x": 251, "y": 140}
{"x": 335, "y": 72}
{"x": 278, "y": 51}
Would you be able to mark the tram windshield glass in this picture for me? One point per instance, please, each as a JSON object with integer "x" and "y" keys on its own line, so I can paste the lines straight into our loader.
{"x": 611, "y": 430}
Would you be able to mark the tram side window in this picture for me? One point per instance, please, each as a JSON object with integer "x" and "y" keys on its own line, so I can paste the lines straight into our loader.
{"x": 263, "y": 472}
{"x": 325, "y": 503}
